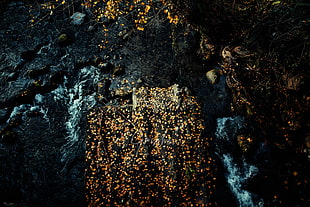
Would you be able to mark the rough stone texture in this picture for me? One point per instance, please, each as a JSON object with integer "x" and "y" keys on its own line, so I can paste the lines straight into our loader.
{"x": 32, "y": 131}
{"x": 39, "y": 166}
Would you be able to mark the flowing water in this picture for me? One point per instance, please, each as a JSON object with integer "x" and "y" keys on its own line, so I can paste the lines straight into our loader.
{"x": 237, "y": 174}
{"x": 74, "y": 95}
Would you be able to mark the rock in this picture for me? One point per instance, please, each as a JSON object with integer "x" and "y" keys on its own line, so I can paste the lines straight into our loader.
{"x": 77, "y": 18}
{"x": 213, "y": 76}
{"x": 122, "y": 92}
{"x": 8, "y": 137}
{"x": 4, "y": 115}
{"x": 240, "y": 52}
{"x": 90, "y": 28}
{"x": 28, "y": 55}
{"x": 24, "y": 96}
{"x": 38, "y": 72}
{"x": 49, "y": 83}
{"x": 106, "y": 67}
{"x": 207, "y": 49}
{"x": 64, "y": 39}
{"x": 119, "y": 70}
{"x": 124, "y": 34}
{"x": 13, "y": 76}
{"x": 226, "y": 53}
{"x": 292, "y": 82}
{"x": 307, "y": 142}
{"x": 306, "y": 149}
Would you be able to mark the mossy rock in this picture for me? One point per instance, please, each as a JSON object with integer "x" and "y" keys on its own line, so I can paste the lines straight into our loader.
{"x": 64, "y": 39}
{"x": 213, "y": 76}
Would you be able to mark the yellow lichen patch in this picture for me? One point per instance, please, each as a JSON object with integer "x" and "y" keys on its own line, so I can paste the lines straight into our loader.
{"x": 151, "y": 152}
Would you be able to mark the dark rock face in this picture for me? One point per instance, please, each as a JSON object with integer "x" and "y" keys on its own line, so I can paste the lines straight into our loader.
{"x": 53, "y": 73}
{"x": 33, "y": 133}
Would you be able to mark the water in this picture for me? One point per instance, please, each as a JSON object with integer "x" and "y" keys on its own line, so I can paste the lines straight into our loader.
{"x": 237, "y": 175}
{"x": 36, "y": 106}
{"x": 73, "y": 94}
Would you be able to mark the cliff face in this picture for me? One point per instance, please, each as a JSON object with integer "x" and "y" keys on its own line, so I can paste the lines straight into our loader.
{"x": 52, "y": 73}
{"x": 90, "y": 117}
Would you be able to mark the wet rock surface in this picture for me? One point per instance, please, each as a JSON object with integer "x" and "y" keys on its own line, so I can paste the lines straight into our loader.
{"x": 54, "y": 72}
{"x": 34, "y": 63}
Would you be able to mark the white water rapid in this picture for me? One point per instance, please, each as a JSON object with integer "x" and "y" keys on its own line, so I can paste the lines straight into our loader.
{"x": 77, "y": 101}
{"x": 236, "y": 174}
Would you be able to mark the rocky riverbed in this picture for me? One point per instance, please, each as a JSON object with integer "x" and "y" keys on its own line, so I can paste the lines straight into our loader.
{"x": 56, "y": 71}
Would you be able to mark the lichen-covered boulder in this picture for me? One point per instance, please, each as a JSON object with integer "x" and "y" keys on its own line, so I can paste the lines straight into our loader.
{"x": 213, "y": 76}
{"x": 64, "y": 39}
{"x": 150, "y": 152}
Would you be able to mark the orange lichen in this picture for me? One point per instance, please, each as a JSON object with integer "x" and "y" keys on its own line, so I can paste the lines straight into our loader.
{"x": 150, "y": 153}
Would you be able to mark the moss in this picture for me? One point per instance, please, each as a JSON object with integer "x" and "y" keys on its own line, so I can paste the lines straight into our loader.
{"x": 64, "y": 39}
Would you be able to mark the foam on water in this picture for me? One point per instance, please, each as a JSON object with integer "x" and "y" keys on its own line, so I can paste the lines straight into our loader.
{"x": 237, "y": 178}
{"x": 228, "y": 126}
{"x": 17, "y": 110}
{"x": 236, "y": 175}
{"x": 77, "y": 103}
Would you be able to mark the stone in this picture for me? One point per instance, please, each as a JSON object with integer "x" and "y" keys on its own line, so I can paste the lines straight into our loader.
{"x": 13, "y": 76}
{"x": 90, "y": 28}
{"x": 9, "y": 137}
{"x": 119, "y": 70}
{"x": 28, "y": 55}
{"x": 207, "y": 49}
{"x": 121, "y": 92}
{"x": 64, "y": 39}
{"x": 292, "y": 82}
{"x": 4, "y": 115}
{"x": 77, "y": 18}
{"x": 213, "y": 76}
{"x": 307, "y": 142}
{"x": 240, "y": 52}
{"x": 24, "y": 96}
{"x": 38, "y": 72}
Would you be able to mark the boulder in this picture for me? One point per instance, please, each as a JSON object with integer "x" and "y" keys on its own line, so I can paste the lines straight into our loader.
{"x": 4, "y": 115}
{"x": 8, "y": 137}
{"x": 28, "y": 55}
{"x": 213, "y": 76}
{"x": 38, "y": 72}
{"x": 64, "y": 39}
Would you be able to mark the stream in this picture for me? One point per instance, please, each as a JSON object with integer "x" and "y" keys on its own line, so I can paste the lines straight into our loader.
{"x": 238, "y": 170}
